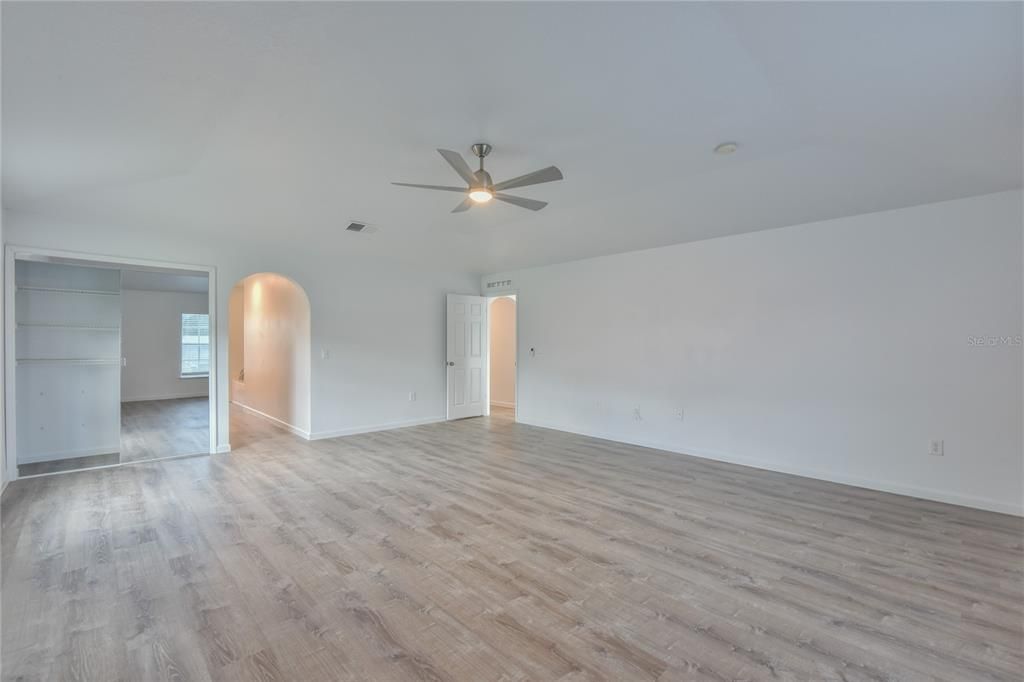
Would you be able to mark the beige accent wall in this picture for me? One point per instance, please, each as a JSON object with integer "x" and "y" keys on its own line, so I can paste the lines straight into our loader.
{"x": 503, "y": 351}
{"x": 275, "y": 348}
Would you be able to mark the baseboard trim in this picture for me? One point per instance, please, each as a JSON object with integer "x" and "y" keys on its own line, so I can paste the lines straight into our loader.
{"x": 175, "y": 396}
{"x": 279, "y": 422}
{"x": 222, "y": 449}
{"x": 70, "y": 454}
{"x": 498, "y": 403}
{"x": 320, "y": 435}
{"x": 816, "y": 474}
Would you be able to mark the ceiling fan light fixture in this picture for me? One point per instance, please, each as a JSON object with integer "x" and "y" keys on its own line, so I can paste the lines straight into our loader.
{"x": 480, "y": 188}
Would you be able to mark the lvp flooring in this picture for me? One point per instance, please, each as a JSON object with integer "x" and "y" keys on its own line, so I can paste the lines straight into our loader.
{"x": 487, "y": 550}
{"x": 152, "y": 429}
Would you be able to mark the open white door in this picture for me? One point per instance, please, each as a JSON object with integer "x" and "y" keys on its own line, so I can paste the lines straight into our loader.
{"x": 467, "y": 356}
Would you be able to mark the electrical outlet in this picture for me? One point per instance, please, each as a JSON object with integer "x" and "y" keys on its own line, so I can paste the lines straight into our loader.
{"x": 636, "y": 415}
{"x": 412, "y": 396}
{"x": 324, "y": 353}
{"x": 679, "y": 414}
{"x": 937, "y": 448}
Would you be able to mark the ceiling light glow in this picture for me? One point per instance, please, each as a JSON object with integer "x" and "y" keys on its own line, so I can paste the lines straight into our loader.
{"x": 481, "y": 195}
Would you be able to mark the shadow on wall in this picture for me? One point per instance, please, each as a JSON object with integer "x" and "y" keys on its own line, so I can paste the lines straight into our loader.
{"x": 269, "y": 348}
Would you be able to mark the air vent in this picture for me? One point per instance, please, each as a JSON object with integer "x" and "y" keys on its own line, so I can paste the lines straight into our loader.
{"x": 363, "y": 226}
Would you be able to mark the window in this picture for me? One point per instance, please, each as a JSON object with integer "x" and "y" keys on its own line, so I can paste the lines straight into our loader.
{"x": 195, "y": 345}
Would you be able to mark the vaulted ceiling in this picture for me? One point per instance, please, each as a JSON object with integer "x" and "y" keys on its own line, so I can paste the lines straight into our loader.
{"x": 279, "y": 122}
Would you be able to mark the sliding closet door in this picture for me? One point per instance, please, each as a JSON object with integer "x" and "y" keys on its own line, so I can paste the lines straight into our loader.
{"x": 67, "y": 346}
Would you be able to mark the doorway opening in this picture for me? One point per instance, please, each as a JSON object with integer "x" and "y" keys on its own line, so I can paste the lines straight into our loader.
{"x": 269, "y": 346}
{"x": 165, "y": 365}
{"x": 107, "y": 361}
{"x": 502, "y": 356}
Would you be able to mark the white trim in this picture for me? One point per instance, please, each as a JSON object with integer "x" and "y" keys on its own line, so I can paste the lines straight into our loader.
{"x": 163, "y": 396}
{"x": 817, "y": 474}
{"x": 15, "y": 252}
{"x": 280, "y": 422}
{"x": 320, "y": 435}
{"x": 71, "y": 454}
{"x": 498, "y": 403}
{"x": 223, "y": 449}
{"x": 10, "y": 368}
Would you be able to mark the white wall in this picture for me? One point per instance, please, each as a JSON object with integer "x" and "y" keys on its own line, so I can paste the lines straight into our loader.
{"x": 150, "y": 343}
{"x": 274, "y": 348}
{"x": 502, "y": 357}
{"x": 382, "y": 324}
{"x": 836, "y": 350}
{"x": 3, "y": 409}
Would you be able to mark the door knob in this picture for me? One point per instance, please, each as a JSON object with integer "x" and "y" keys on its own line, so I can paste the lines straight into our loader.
{"x": 451, "y": 363}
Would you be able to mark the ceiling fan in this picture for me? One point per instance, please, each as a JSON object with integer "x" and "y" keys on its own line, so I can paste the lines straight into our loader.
{"x": 482, "y": 189}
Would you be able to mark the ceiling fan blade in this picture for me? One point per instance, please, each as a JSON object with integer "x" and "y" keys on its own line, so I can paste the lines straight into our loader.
{"x": 549, "y": 174}
{"x": 464, "y": 206}
{"x": 446, "y": 188}
{"x": 522, "y": 202}
{"x": 456, "y": 161}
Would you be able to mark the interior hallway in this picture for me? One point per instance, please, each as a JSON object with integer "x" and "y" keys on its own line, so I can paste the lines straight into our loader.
{"x": 483, "y": 549}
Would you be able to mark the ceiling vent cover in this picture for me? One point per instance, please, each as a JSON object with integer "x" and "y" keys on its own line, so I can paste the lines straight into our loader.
{"x": 356, "y": 227}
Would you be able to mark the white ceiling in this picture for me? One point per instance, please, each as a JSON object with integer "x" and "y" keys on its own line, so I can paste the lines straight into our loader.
{"x": 278, "y": 123}
{"x": 148, "y": 280}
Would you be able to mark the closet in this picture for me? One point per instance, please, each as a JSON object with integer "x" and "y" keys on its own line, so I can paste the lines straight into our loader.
{"x": 68, "y": 357}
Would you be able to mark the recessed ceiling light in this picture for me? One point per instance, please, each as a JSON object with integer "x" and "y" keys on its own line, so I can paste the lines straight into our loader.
{"x": 726, "y": 148}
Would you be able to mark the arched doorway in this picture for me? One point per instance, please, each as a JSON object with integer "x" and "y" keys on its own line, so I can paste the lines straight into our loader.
{"x": 268, "y": 358}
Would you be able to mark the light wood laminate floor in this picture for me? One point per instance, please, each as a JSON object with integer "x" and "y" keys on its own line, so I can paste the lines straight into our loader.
{"x": 152, "y": 429}
{"x": 485, "y": 550}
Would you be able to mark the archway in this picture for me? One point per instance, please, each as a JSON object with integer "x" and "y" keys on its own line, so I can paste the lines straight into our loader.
{"x": 269, "y": 354}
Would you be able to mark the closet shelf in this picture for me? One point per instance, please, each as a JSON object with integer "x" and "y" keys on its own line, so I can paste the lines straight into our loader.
{"x": 90, "y": 292}
{"x": 70, "y": 361}
{"x": 88, "y": 327}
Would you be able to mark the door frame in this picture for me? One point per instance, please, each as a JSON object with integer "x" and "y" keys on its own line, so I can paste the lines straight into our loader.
{"x": 13, "y": 253}
{"x": 492, "y": 295}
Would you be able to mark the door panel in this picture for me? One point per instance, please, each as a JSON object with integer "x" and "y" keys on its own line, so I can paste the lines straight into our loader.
{"x": 467, "y": 355}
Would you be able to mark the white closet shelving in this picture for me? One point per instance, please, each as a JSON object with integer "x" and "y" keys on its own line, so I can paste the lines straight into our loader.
{"x": 67, "y": 349}
{"x": 62, "y": 290}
